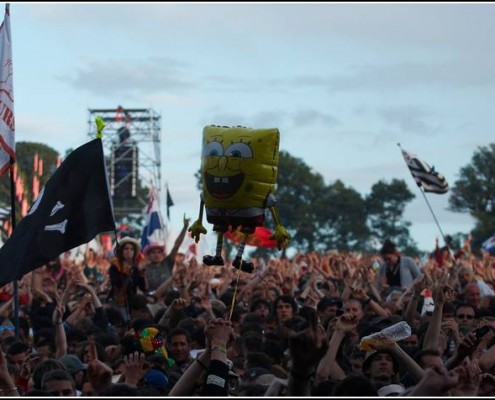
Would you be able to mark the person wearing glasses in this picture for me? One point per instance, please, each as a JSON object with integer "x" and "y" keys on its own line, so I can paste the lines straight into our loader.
{"x": 465, "y": 316}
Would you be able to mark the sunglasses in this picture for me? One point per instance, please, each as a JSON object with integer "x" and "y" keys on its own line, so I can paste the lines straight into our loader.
{"x": 462, "y": 316}
{"x": 6, "y": 328}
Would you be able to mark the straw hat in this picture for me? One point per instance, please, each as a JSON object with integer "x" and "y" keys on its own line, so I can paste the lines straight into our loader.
{"x": 122, "y": 242}
{"x": 153, "y": 246}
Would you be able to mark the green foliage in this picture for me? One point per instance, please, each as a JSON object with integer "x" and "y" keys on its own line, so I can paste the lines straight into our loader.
{"x": 474, "y": 193}
{"x": 299, "y": 192}
{"x": 25, "y": 152}
{"x": 385, "y": 208}
{"x": 341, "y": 219}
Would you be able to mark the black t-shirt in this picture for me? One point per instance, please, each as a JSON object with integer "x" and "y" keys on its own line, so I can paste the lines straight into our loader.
{"x": 393, "y": 279}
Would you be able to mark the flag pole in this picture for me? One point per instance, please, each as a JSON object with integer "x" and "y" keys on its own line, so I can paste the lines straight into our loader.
{"x": 434, "y": 217}
{"x": 12, "y": 213}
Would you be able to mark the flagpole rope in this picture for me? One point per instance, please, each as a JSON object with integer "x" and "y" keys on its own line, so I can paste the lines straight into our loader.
{"x": 235, "y": 293}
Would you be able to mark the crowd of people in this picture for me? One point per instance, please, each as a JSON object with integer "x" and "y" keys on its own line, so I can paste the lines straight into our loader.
{"x": 152, "y": 322}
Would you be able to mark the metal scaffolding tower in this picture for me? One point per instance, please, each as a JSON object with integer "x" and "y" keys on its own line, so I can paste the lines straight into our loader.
{"x": 132, "y": 146}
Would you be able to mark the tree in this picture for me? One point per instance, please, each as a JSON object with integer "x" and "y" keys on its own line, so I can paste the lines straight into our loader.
{"x": 341, "y": 218}
{"x": 299, "y": 193}
{"x": 25, "y": 156}
{"x": 474, "y": 193}
{"x": 385, "y": 208}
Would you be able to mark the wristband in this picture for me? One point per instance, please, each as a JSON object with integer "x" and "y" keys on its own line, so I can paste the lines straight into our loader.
{"x": 367, "y": 301}
{"x": 11, "y": 390}
{"x": 219, "y": 348}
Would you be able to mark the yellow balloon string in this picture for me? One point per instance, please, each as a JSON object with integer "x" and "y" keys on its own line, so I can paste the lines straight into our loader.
{"x": 235, "y": 292}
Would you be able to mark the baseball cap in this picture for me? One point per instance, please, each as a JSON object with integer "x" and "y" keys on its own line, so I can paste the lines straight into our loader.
{"x": 72, "y": 363}
{"x": 329, "y": 301}
{"x": 156, "y": 378}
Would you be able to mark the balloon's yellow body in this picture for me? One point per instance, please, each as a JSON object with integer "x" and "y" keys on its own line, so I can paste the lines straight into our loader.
{"x": 239, "y": 166}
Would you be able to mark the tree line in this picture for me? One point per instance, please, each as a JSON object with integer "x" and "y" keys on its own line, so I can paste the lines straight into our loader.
{"x": 322, "y": 216}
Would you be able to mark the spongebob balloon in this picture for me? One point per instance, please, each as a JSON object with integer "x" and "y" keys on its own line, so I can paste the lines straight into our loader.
{"x": 238, "y": 172}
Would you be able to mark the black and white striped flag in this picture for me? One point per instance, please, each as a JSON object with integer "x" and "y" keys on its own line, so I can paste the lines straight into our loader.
{"x": 424, "y": 175}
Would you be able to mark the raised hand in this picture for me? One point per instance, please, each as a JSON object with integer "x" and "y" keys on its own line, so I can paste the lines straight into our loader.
{"x": 100, "y": 374}
{"x": 178, "y": 304}
{"x": 135, "y": 367}
{"x": 186, "y": 221}
{"x": 346, "y": 323}
{"x": 6, "y": 383}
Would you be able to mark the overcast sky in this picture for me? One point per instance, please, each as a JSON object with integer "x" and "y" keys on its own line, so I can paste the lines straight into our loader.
{"x": 344, "y": 83}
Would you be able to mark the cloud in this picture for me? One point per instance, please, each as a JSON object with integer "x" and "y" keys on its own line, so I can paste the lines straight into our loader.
{"x": 410, "y": 119}
{"x": 124, "y": 77}
{"x": 307, "y": 117}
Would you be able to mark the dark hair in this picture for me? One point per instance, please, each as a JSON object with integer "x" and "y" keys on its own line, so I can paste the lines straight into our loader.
{"x": 286, "y": 299}
{"x": 257, "y": 302}
{"x": 17, "y": 348}
{"x": 57, "y": 375}
{"x": 140, "y": 323}
{"x": 44, "y": 367}
{"x": 107, "y": 339}
{"x": 177, "y": 332}
{"x": 388, "y": 247}
{"x": 250, "y": 327}
{"x": 238, "y": 313}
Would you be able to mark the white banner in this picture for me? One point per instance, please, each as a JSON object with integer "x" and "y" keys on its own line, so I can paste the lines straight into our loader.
{"x": 7, "y": 123}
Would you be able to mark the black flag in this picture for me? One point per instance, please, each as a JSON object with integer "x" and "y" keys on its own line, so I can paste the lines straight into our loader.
{"x": 73, "y": 207}
{"x": 170, "y": 203}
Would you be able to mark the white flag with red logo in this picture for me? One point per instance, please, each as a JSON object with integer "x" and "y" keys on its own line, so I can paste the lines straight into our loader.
{"x": 7, "y": 124}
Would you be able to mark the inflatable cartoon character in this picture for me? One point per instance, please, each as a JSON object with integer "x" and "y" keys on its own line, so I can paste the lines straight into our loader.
{"x": 238, "y": 172}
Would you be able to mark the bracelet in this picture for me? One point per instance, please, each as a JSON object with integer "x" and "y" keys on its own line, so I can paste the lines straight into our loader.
{"x": 201, "y": 364}
{"x": 219, "y": 348}
{"x": 11, "y": 390}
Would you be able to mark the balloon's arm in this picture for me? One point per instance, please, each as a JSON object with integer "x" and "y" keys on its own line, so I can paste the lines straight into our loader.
{"x": 280, "y": 235}
{"x": 197, "y": 227}
{"x": 100, "y": 125}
